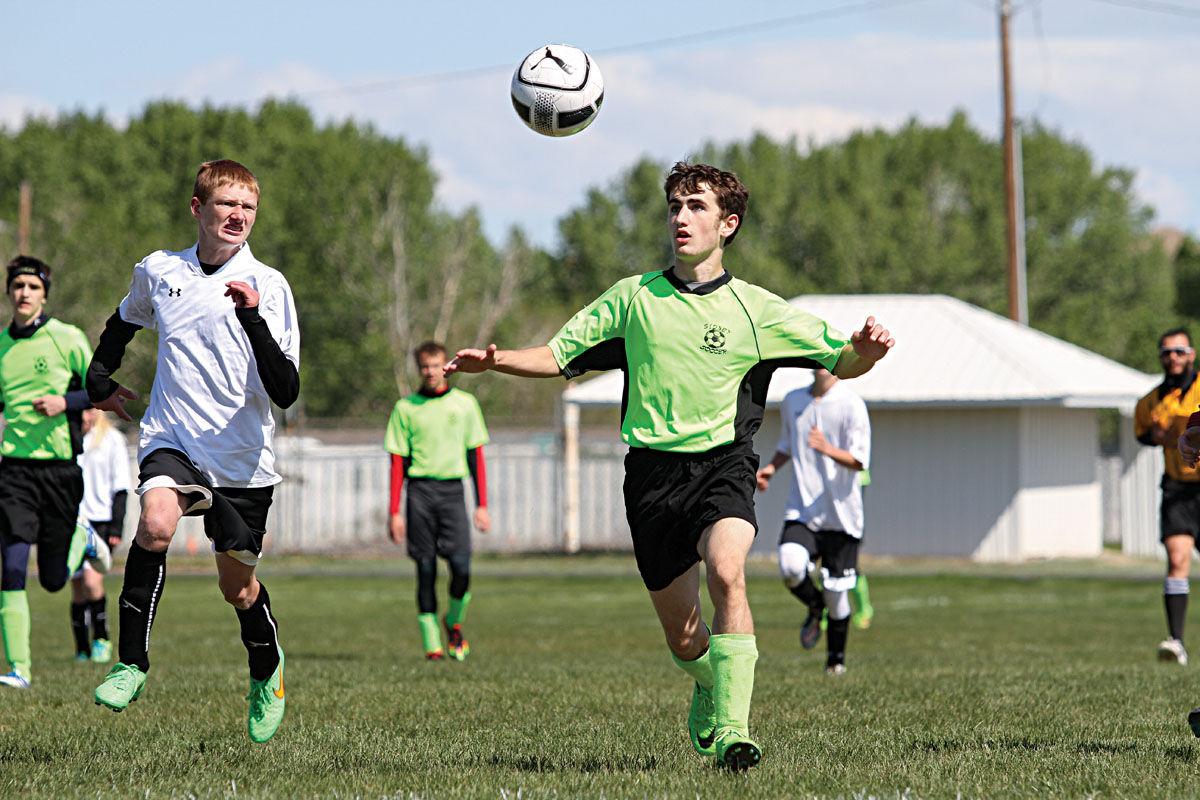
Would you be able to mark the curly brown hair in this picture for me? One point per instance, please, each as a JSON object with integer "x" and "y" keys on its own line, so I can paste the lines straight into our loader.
{"x": 732, "y": 194}
{"x": 428, "y": 348}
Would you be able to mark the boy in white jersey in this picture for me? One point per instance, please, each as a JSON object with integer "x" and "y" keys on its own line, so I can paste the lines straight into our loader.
{"x": 229, "y": 345}
{"x": 826, "y": 434}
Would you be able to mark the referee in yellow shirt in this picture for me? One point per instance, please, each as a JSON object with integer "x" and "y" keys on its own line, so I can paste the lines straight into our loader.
{"x": 1160, "y": 418}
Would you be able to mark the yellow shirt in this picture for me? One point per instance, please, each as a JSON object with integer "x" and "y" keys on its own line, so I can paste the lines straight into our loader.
{"x": 1169, "y": 409}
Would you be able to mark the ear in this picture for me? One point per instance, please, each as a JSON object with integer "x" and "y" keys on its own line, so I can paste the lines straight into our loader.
{"x": 195, "y": 204}
{"x": 728, "y": 225}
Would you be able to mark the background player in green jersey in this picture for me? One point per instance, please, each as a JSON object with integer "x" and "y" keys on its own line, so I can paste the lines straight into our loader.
{"x": 698, "y": 348}
{"x": 436, "y": 436}
{"x": 42, "y": 364}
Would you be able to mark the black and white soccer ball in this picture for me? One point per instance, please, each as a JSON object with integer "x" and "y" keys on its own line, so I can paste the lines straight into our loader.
{"x": 557, "y": 90}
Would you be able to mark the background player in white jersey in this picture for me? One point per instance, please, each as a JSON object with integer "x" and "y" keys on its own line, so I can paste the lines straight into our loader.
{"x": 826, "y": 434}
{"x": 105, "y": 465}
{"x": 228, "y": 345}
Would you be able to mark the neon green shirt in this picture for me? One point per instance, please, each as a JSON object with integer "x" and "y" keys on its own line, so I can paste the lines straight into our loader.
{"x": 53, "y": 361}
{"x": 436, "y": 433}
{"x": 697, "y": 361}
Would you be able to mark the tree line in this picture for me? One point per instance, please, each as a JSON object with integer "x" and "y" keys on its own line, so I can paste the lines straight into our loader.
{"x": 376, "y": 265}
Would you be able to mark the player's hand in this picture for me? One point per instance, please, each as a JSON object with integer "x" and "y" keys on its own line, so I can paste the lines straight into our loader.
{"x": 243, "y": 294}
{"x": 472, "y": 360}
{"x": 817, "y": 440}
{"x": 51, "y": 405}
{"x": 763, "y": 477}
{"x": 115, "y": 402}
{"x": 114, "y": 541}
{"x": 1159, "y": 434}
{"x": 396, "y": 528}
{"x": 872, "y": 342}
{"x": 483, "y": 520}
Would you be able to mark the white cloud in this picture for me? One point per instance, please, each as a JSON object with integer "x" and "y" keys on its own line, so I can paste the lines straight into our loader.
{"x": 16, "y": 108}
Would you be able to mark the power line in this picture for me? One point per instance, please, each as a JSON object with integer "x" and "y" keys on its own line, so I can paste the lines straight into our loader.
{"x": 1156, "y": 6}
{"x": 649, "y": 44}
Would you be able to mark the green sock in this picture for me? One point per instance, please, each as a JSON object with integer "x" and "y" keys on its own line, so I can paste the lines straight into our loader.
{"x": 700, "y": 668}
{"x": 457, "y": 614}
{"x": 733, "y": 656}
{"x": 75, "y": 551}
{"x": 860, "y": 595}
{"x": 431, "y": 636}
{"x": 14, "y": 625}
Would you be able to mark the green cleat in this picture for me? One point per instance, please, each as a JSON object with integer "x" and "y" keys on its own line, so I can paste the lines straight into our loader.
{"x": 102, "y": 650}
{"x": 267, "y": 704}
{"x": 736, "y": 752}
{"x": 702, "y": 728}
{"x": 456, "y": 646}
{"x": 861, "y": 619}
{"x": 123, "y": 684}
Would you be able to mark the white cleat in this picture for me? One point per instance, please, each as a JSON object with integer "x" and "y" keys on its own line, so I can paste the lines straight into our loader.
{"x": 15, "y": 680}
{"x": 834, "y": 670}
{"x": 97, "y": 555}
{"x": 1172, "y": 651}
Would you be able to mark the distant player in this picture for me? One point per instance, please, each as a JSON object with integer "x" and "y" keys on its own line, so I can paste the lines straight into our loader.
{"x": 826, "y": 435}
{"x": 436, "y": 436}
{"x": 228, "y": 345}
{"x": 698, "y": 348}
{"x": 42, "y": 365}
{"x": 1159, "y": 420}
{"x": 105, "y": 465}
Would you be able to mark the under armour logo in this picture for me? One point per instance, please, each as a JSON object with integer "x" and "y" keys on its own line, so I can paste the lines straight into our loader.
{"x": 174, "y": 292}
{"x": 564, "y": 66}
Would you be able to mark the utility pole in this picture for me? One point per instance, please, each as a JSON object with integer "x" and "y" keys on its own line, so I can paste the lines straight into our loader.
{"x": 24, "y": 218}
{"x": 1015, "y": 290}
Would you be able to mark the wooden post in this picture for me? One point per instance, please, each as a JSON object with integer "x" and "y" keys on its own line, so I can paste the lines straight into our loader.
{"x": 24, "y": 218}
{"x": 1010, "y": 182}
{"x": 571, "y": 540}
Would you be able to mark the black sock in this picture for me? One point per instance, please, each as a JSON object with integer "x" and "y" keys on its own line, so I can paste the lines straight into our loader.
{"x": 99, "y": 609}
{"x": 79, "y": 627}
{"x": 835, "y": 641}
{"x": 426, "y": 586}
{"x": 1175, "y": 598}
{"x": 808, "y": 593}
{"x": 145, "y": 574}
{"x": 259, "y": 634}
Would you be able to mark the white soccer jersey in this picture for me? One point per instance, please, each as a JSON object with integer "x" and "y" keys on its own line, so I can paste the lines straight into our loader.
{"x": 208, "y": 400}
{"x": 105, "y": 472}
{"x": 824, "y": 494}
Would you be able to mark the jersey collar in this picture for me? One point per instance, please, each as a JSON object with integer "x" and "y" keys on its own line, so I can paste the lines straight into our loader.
{"x": 431, "y": 394}
{"x": 191, "y": 255}
{"x": 704, "y": 288}
{"x": 30, "y": 329}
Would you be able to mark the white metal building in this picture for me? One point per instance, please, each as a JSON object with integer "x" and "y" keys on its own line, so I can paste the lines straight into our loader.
{"x": 985, "y": 436}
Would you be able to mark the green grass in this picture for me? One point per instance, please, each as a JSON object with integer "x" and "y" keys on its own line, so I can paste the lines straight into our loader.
{"x": 969, "y": 684}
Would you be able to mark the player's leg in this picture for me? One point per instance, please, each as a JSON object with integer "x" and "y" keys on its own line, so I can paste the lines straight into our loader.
{"x": 64, "y": 541}
{"x": 421, "y": 522}
{"x": 19, "y": 498}
{"x": 724, "y": 546}
{"x": 679, "y": 613}
{"x": 97, "y": 608}
{"x": 80, "y": 623}
{"x": 454, "y": 544}
{"x": 141, "y": 589}
{"x": 797, "y": 549}
{"x": 1175, "y": 595}
{"x": 839, "y": 572}
{"x": 260, "y": 636}
{"x": 860, "y": 600}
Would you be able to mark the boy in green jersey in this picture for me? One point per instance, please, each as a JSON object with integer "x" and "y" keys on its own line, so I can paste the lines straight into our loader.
{"x": 698, "y": 348}
{"x": 436, "y": 436}
{"x": 42, "y": 365}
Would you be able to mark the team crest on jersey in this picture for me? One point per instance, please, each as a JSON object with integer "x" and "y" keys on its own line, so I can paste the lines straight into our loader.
{"x": 41, "y": 366}
{"x": 714, "y": 339}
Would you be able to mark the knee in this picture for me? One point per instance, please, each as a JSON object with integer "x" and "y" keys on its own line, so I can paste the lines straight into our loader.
{"x": 52, "y": 583}
{"x": 793, "y": 563}
{"x": 155, "y": 530}
{"x": 688, "y": 641}
{"x": 240, "y": 595}
{"x": 726, "y": 582}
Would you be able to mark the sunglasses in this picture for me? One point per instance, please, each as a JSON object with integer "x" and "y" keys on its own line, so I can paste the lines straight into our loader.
{"x": 1178, "y": 351}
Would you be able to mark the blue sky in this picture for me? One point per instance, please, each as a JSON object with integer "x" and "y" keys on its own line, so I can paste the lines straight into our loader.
{"x": 1122, "y": 79}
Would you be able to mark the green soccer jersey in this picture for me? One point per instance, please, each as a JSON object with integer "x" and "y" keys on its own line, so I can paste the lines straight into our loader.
{"x": 53, "y": 361}
{"x": 435, "y": 433}
{"x": 697, "y": 360}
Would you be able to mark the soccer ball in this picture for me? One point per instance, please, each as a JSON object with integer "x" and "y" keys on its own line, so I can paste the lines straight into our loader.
{"x": 557, "y": 90}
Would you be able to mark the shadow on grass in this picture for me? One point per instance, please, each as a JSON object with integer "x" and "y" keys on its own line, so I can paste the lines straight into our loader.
{"x": 953, "y": 745}
{"x": 1181, "y": 752}
{"x": 539, "y": 763}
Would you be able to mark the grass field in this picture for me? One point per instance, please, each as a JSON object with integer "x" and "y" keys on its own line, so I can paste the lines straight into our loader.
{"x": 969, "y": 684}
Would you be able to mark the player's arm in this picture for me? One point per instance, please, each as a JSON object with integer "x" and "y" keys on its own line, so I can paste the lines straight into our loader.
{"x": 400, "y": 466}
{"x": 532, "y": 362}
{"x": 280, "y": 377}
{"x": 1189, "y": 440}
{"x": 818, "y": 442}
{"x": 1145, "y": 429}
{"x": 75, "y": 398}
{"x": 764, "y": 475}
{"x": 867, "y": 346}
{"x": 478, "y": 469}
{"x": 104, "y": 392}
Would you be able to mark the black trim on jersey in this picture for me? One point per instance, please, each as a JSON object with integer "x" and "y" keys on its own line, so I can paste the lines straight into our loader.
{"x": 107, "y": 359}
{"x": 208, "y": 269}
{"x": 279, "y": 375}
{"x": 25, "y": 331}
{"x": 705, "y": 288}
{"x": 433, "y": 394}
{"x": 752, "y": 394}
{"x": 609, "y": 354}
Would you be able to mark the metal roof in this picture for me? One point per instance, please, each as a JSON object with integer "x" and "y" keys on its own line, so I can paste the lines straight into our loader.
{"x": 948, "y": 353}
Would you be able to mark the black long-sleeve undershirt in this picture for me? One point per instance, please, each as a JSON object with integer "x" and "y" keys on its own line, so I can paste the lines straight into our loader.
{"x": 279, "y": 375}
{"x": 107, "y": 359}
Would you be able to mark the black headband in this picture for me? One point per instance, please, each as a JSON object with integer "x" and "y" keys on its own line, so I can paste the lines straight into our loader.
{"x": 27, "y": 269}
